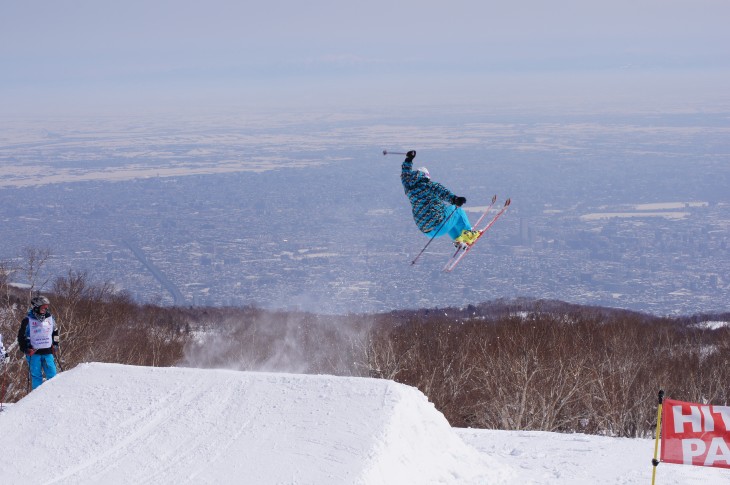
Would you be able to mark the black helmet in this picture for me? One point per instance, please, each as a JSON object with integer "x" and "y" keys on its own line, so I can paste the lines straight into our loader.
{"x": 38, "y": 301}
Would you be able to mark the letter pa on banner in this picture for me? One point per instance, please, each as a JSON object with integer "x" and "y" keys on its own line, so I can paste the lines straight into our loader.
{"x": 695, "y": 434}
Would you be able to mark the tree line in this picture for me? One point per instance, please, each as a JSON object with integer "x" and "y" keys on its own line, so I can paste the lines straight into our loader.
{"x": 509, "y": 364}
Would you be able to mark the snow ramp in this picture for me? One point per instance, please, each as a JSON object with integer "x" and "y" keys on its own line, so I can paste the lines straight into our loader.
{"x": 116, "y": 424}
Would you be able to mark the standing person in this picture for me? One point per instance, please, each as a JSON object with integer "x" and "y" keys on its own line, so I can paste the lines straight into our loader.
{"x": 38, "y": 340}
{"x": 436, "y": 210}
{"x": 4, "y": 357}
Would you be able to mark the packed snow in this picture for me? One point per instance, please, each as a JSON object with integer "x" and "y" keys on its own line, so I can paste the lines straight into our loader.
{"x": 114, "y": 424}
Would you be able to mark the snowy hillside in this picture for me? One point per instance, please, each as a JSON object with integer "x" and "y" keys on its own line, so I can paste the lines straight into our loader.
{"x": 108, "y": 423}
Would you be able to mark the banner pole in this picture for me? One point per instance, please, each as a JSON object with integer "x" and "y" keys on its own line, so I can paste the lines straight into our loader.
{"x": 655, "y": 461}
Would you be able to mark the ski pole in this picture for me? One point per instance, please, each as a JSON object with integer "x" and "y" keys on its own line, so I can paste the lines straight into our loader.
{"x": 60, "y": 358}
{"x": 386, "y": 152}
{"x": 433, "y": 237}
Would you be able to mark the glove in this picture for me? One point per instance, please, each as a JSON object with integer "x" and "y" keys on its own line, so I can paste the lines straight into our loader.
{"x": 459, "y": 201}
{"x": 411, "y": 154}
{"x": 31, "y": 351}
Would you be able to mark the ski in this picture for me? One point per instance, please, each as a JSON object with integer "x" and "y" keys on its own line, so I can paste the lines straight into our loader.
{"x": 460, "y": 253}
{"x": 484, "y": 214}
{"x": 476, "y": 224}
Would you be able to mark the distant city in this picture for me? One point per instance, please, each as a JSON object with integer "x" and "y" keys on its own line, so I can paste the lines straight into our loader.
{"x": 304, "y": 212}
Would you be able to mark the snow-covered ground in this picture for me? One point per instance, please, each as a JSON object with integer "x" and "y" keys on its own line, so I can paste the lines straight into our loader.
{"x": 108, "y": 423}
{"x": 713, "y": 325}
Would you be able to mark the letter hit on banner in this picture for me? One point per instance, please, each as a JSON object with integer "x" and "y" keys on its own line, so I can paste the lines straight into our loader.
{"x": 695, "y": 434}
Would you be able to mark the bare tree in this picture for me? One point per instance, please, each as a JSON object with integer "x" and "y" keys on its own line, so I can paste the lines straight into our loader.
{"x": 33, "y": 261}
{"x": 382, "y": 358}
{"x": 6, "y": 270}
{"x": 78, "y": 308}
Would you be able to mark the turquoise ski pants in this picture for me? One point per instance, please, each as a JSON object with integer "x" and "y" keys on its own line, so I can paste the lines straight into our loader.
{"x": 39, "y": 365}
{"x": 454, "y": 225}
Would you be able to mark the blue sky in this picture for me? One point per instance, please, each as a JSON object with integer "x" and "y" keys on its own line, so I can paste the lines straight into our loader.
{"x": 64, "y": 55}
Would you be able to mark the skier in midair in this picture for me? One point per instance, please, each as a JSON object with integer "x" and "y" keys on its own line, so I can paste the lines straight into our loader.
{"x": 436, "y": 210}
{"x": 38, "y": 340}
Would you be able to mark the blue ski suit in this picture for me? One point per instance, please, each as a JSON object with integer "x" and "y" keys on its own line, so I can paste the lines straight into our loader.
{"x": 432, "y": 204}
{"x": 38, "y": 339}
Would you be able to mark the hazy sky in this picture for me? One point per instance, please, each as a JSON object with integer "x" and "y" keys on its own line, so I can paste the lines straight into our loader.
{"x": 68, "y": 55}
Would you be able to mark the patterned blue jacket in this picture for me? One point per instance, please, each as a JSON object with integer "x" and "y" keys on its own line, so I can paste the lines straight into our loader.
{"x": 428, "y": 199}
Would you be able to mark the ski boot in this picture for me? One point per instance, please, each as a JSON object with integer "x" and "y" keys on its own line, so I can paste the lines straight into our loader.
{"x": 466, "y": 239}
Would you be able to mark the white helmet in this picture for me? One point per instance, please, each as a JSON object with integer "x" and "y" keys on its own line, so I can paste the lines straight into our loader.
{"x": 39, "y": 301}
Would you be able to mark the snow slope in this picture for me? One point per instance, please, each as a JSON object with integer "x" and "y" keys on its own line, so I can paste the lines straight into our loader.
{"x": 108, "y": 423}
{"x": 579, "y": 459}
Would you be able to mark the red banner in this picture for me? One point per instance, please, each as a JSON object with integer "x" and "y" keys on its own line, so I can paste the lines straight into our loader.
{"x": 695, "y": 434}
